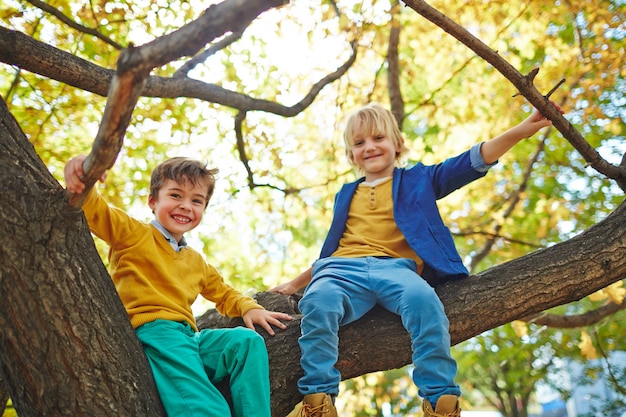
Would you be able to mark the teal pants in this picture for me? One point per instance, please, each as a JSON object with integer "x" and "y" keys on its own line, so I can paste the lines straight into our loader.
{"x": 186, "y": 364}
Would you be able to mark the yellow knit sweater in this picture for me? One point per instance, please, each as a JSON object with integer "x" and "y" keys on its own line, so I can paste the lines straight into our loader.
{"x": 152, "y": 279}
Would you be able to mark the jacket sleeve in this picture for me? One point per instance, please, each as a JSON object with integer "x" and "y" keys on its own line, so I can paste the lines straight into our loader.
{"x": 455, "y": 172}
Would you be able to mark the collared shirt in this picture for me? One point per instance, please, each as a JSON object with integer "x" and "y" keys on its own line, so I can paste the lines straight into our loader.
{"x": 177, "y": 246}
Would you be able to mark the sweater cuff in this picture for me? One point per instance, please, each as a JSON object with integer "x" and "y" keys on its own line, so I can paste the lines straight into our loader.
{"x": 250, "y": 306}
{"x": 477, "y": 160}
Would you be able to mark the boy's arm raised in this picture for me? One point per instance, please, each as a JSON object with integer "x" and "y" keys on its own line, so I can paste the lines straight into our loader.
{"x": 493, "y": 149}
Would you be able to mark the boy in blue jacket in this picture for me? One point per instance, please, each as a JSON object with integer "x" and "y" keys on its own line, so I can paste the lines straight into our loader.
{"x": 386, "y": 238}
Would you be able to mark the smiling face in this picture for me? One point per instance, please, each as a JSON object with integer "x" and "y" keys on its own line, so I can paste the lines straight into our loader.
{"x": 374, "y": 143}
{"x": 179, "y": 206}
{"x": 375, "y": 154}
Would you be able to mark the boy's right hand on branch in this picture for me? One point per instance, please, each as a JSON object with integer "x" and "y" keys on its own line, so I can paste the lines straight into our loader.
{"x": 536, "y": 121}
{"x": 74, "y": 174}
{"x": 295, "y": 284}
{"x": 285, "y": 289}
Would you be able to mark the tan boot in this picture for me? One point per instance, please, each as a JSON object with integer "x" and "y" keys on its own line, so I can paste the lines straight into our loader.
{"x": 318, "y": 405}
{"x": 447, "y": 406}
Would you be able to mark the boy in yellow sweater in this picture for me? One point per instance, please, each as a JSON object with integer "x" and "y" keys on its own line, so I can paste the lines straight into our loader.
{"x": 158, "y": 277}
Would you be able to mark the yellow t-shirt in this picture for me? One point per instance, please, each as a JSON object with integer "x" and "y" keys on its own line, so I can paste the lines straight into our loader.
{"x": 371, "y": 229}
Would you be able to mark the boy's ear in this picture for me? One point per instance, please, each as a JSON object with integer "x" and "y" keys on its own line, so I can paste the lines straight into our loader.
{"x": 400, "y": 145}
{"x": 151, "y": 202}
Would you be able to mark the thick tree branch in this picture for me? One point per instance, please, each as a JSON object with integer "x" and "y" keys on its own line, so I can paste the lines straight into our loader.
{"x": 525, "y": 86}
{"x": 24, "y": 52}
{"x": 28, "y": 54}
{"x": 125, "y": 91}
{"x": 52, "y": 274}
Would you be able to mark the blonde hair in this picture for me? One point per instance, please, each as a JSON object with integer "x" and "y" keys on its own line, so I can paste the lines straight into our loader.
{"x": 181, "y": 170}
{"x": 371, "y": 120}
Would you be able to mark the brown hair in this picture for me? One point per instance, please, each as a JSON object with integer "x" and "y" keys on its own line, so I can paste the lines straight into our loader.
{"x": 181, "y": 170}
{"x": 373, "y": 119}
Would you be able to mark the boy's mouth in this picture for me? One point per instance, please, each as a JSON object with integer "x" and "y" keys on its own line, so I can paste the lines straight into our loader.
{"x": 181, "y": 219}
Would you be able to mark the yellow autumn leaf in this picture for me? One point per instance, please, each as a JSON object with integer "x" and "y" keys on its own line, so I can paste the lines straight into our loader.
{"x": 616, "y": 292}
{"x": 586, "y": 346}
{"x": 520, "y": 328}
{"x": 598, "y": 295}
{"x": 615, "y": 127}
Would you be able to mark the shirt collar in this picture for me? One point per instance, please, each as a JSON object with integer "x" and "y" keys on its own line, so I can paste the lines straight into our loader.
{"x": 376, "y": 181}
{"x": 177, "y": 246}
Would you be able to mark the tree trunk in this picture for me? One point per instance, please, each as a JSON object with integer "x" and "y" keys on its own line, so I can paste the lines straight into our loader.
{"x": 66, "y": 345}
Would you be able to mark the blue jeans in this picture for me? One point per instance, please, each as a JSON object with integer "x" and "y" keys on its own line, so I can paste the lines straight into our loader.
{"x": 343, "y": 290}
{"x": 186, "y": 364}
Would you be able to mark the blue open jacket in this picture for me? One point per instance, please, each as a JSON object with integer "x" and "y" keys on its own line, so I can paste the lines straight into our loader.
{"x": 415, "y": 192}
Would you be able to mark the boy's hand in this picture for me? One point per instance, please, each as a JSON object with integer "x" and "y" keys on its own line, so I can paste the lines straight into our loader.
{"x": 295, "y": 284}
{"x": 265, "y": 319}
{"x": 74, "y": 173}
{"x": 286, "y": 289}
{"x": 536, "y": 121}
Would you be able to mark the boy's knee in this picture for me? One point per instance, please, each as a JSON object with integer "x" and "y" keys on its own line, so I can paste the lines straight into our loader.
{"x": 327, "y": 301}
{"x": 244, "y": 333}
{"x": 248, "y": 337}
{"x": 426, "y": 297}
{"x": 250, "y": 345}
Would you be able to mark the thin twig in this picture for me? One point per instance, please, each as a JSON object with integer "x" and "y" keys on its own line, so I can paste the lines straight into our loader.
{"x": 554, "y": 88}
